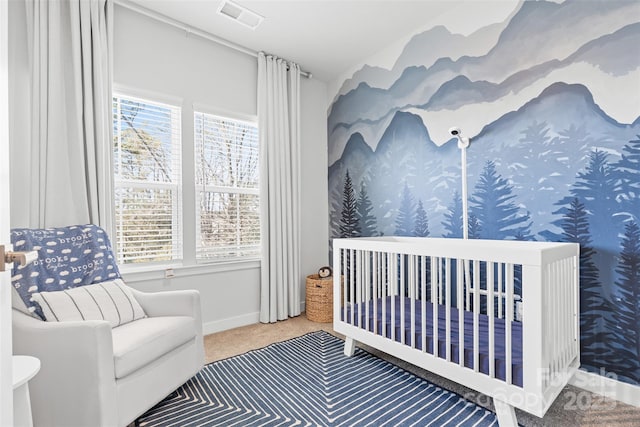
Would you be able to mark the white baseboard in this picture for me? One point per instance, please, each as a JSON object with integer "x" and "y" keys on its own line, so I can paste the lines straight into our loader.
{"x": 230, "y": 323}
{"x": 606, "y": 386}
{"x": 234, "y": 322}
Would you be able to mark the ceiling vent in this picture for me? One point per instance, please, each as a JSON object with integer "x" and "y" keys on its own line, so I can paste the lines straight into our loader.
{"x": 240, "y": 14}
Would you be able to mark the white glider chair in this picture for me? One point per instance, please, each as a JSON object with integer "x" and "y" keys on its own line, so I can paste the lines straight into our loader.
{"x": 97, "y": 372}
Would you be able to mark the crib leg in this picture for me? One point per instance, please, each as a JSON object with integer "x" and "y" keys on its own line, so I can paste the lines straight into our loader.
{"x": 349, "y": 347}
{"x": 506, "y": 414}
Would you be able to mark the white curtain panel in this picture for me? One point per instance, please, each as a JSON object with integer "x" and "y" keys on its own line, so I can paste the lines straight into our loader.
{"x": 71, "y": 133}
{"x": 279, "y": 127}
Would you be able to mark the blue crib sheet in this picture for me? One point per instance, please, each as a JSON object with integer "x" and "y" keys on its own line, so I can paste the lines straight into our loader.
{"x": 483, "y": 328}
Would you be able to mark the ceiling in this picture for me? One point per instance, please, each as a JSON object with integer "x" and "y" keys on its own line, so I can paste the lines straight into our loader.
{"x": 326, "y": 37}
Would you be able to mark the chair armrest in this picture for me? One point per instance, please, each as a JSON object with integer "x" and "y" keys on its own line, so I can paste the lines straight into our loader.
{"x": 170, "y": 303}
{"x": 70, "y": 343}
{"x": 76, "y": 366}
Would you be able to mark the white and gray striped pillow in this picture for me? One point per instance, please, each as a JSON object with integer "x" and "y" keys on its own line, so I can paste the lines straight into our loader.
{"x": 111, "y": 301}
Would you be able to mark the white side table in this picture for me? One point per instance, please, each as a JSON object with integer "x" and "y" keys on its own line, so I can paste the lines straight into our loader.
{"x": 24, "y": 368}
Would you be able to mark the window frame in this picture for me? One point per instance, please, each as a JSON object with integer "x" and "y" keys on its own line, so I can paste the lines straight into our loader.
{"x": 176, "y": 187}
{"x": 200, "y": 188}
{"x": 188, "y": 265}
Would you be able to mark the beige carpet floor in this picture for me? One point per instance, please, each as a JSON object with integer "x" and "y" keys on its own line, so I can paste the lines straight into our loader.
{"x": 574, "y": 407}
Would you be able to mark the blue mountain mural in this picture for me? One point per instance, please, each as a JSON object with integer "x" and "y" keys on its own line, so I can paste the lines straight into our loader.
{"x": 522, "y": 56}
{"x": 558, "y": 159}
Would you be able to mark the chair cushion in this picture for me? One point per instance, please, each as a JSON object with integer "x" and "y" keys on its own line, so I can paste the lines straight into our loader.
{"x": 139, "y": 343}
{"x": 111, "y": 301}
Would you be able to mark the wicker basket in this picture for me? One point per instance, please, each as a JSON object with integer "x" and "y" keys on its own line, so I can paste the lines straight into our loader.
{"x": 319, "y": 300}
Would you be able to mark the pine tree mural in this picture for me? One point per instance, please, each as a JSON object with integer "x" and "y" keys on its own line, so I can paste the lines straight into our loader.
{"x": 536, "y": 133}
{"x": 364, "y": 213}
{"x": 406, "y": 212}
{"x": 593, "y": 329}
{"x": 474, "y": 227}
{"x": 422, "y": 223}
{"x": 349, "y": 217}
{"x": 575, "y": 134}
{"x": 492, "y": 204}
{"x": 453, "y": 218}
{"x": 628, "y": 169}
{"x": 335, "y": 212}
{"x": 627, "y": 304}
{"x": 597, "y": 187}
{"x": 534, "y": 138}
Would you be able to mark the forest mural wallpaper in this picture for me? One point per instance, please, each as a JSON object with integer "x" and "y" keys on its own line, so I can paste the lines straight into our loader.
{"x": 552, "y": 107}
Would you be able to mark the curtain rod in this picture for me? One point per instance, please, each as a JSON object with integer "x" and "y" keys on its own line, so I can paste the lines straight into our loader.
{"x": 191, "y": 30}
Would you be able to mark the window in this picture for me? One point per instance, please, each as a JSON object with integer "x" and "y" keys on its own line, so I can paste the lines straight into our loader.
{"x": 219, "y": 184}
{"x": 227, "y": 188}
{"x": 147, "y": 180}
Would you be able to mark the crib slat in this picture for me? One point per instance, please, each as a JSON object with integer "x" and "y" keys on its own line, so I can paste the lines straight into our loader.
{"x": 500, "y": 288}
{"x": 476, "y": 315}
{"x": 368, "y": 280}
{"x": 441, "y": 280}
{"x": 548, "y": 322}
{"x": 461, "y": 265}
{"x": 565, "y": 280}
{"x": 554, "y": 313}
{"x": 374, "y": 290}
{"x": 435, "y": 285}
{"x": 468, "y": 289}
{"x": 554, "y": 331}
{"x": 352, "y": 284}
{"x": 358, "y": 295}
{"x": 568, "y": 315}
{"x": 393, "y": 289}
{"x": 575, "y": 297}
{"x": 558, "y": 317}
{"x": 508, "y": 320}
{"x": 402, "y": 297}
{"x": 423, "y": 298}
{"x": 572, "y": 298}
{"x": 448, "y": 308}
{"x": 467, "y": 278}
{"x": 412, "y": 298}
{"x": 561, "y": 319}
{"x": 383, "y": 294}
{"x": 491, "y": 316}
{"x": 343, "y": 270}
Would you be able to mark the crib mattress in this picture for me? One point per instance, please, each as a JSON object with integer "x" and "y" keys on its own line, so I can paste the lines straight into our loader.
{"x": 359, "y": 316}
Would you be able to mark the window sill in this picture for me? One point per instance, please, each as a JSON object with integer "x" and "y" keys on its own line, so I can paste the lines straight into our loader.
{"x": 132, "y": 274}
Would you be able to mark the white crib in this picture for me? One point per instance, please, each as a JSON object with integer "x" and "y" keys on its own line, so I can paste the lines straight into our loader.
{"x": 427, "y": 301}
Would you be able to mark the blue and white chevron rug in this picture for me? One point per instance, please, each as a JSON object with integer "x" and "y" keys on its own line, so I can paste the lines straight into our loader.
{"x": 308, "y": 381}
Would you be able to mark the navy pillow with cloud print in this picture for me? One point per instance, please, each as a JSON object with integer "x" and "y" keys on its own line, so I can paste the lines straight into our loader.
{"x": 68, "y": 257}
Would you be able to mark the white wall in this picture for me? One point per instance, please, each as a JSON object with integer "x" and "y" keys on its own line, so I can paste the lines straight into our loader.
{"x": 159, "y": 61}
{"x": 315, "y": 198}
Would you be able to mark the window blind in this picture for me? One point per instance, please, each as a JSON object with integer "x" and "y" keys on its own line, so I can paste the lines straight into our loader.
{"x": 147, "y": 180}
{"x": 227, "y": 187}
